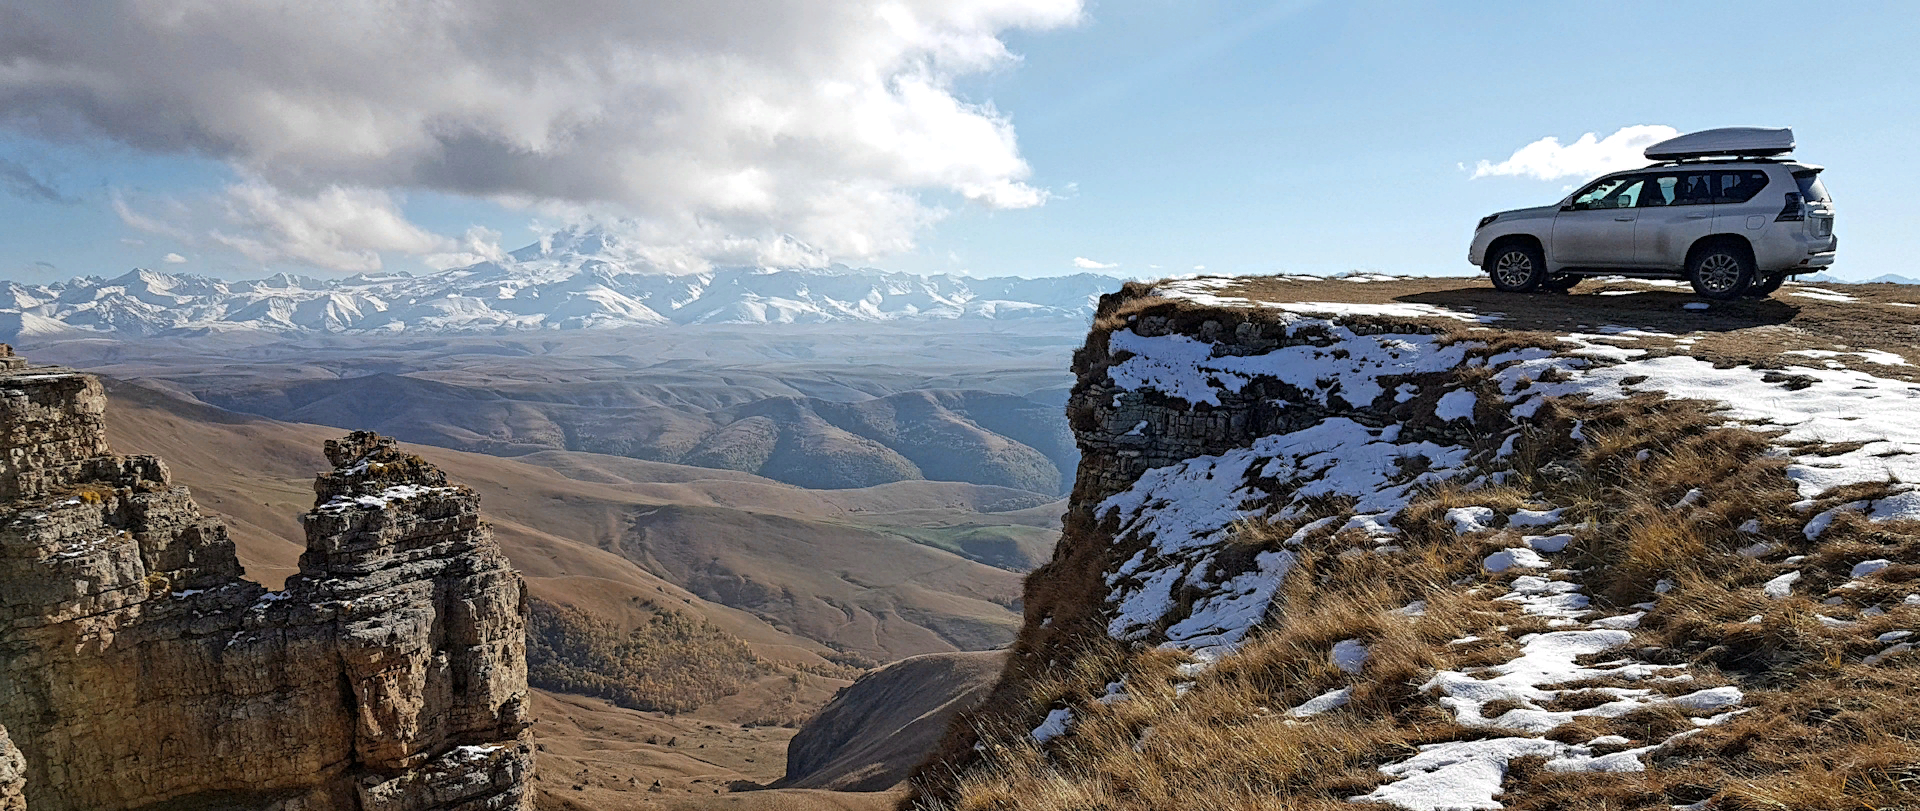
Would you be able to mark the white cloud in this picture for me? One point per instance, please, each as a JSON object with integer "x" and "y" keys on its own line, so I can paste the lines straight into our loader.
{"x": 337, "y": 228}
{"x": 754, "y": 127}
{"x": 1088, "y": 264}
{"x": 174, "y": 259}
{"x": 1588, "y": 156}
{"x": 1199, "y": 267}
{"x": 162, "y": 224}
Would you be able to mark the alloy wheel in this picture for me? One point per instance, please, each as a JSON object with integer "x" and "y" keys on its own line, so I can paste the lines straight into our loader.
{"x": 1514, "y": 269}
{"x": 1719, "y": 272}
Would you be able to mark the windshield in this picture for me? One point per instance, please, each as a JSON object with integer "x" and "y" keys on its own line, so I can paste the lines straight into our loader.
{"x": 1811, "y": 190}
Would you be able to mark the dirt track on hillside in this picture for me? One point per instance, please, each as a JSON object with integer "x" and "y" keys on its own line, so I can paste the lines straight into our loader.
{"x": 1654, "y": 315}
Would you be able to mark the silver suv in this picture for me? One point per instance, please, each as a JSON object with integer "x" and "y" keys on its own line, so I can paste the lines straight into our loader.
{"x": 1720, "y": 208}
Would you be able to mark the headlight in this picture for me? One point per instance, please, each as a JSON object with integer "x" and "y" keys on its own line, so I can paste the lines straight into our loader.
{"x": 1485, "y": 221}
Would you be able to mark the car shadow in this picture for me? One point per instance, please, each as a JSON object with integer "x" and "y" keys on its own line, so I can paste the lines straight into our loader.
{"x": 1598, "y": 306}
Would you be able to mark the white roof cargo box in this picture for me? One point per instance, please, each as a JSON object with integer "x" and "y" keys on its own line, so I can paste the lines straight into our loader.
{"x": 1745, "y": 142}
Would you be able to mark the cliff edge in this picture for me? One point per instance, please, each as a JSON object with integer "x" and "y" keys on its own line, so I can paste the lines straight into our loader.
{"x": 138, "y": 670}
{"x": 1414, "y": 544}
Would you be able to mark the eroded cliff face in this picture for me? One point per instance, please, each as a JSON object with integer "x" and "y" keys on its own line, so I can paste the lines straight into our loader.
{"x": 13, "y": 776}
{"x": 1323, "y": 552}
{"x": 138, "y": 669}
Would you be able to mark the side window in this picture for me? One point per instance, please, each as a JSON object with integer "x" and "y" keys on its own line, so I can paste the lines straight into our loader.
{"x": 1661, "y": 190}
{"x": 1693, "y": 189}
{"x": 1612, "y": 192}
{"x": 1738, "y": 186}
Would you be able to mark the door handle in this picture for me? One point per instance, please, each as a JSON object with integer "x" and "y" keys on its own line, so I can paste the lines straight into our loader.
{"x": 1698, "y": 216}
{"x": 1623, "y": 219}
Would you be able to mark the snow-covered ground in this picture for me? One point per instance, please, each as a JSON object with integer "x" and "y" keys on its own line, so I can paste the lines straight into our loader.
{"x": 1838, "y": 426}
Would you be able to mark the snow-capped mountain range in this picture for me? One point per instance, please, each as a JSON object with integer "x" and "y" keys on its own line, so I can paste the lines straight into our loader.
{"x": 573, "y": 283}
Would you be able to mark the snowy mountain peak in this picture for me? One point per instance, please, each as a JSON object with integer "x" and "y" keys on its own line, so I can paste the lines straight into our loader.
{"x": 572, "y": 280}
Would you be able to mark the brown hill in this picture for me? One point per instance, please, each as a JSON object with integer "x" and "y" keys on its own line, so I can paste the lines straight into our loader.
{"x": 797, "y": 574}
{"x": 872, "y": 735}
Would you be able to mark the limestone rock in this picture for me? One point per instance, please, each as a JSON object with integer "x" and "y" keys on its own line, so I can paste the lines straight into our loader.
{"x": 13, "y": 772}
{"x": 138, "y": 668}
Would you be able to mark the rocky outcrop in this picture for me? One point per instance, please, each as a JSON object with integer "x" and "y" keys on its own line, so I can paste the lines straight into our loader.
{"x": 138, "y": 669}
{"x": 1328, "y": 547}
{"x": 13, "y": 776}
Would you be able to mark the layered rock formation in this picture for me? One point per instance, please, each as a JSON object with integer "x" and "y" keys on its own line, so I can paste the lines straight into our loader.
{"x": 139, "y": 670}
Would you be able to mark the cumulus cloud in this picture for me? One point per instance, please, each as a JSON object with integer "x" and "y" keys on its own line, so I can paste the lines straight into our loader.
{"x": 1088, "y": 264}
{"x": 337, "y": 228}
{"x": 1588, "y": 156}
{"x": 174, "y": 259}
{"x": 740, "y": 123}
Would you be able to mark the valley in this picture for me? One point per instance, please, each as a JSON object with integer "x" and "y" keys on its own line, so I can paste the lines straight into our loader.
{"x": 816, "y": 585}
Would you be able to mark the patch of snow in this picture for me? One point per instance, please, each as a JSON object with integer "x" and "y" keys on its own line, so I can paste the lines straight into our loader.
{"x": 1867, "y": 567}
{"x": 1878, "y": 356}
{"x": 1350, "y": 655}
{"x": 1053, "y": 727}
{"x": 1468, "y": 520}
{"x": 1716, "y": 698}
{"x": 1548, "y": 543}
{"x": 1325, "y": 702}
{"x": 1535, "y": 518}
{"x": 1456, "y": 405}
{"x": 1822, "y": 294}
{"x": 1818, "y": 526}
{"x": 1518, "y": 556}
{"x": 1781, "y": 587}
{"x": 1547, "y": 598}
{"x": 1348, "y": 365}
{"x": 1624, "y": 622}
{"x": 1892, "y": 650}
{"x": 1186, "y": 510}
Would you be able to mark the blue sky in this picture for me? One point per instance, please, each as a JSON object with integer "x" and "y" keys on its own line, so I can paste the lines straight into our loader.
{"x": 1165, "y": 136}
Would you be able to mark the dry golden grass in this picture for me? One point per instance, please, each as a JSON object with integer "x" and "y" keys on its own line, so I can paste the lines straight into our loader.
{"x": 1822, "y": 730}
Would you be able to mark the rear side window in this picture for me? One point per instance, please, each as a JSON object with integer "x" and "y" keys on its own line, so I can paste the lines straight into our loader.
{"x": 1678, "y": 189}
{"x": 1811, "y": 189}
{"x": 1738, "y": 187}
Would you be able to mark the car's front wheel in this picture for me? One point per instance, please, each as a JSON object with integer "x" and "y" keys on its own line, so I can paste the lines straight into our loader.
{"x": 1517, "y": 267}
{"x": 1722, "y": 271}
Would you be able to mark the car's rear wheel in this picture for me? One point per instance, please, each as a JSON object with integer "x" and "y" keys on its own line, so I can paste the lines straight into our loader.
{"x": 1516, "y": 267}
{"x": 1722, "y": 271}
{"x": 1766, "y": 285}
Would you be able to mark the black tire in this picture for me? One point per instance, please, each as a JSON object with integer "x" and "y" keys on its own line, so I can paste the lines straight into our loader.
{"x": 1722, "y": 271}
{"x": 1766, "y": 285}
{"x": 1516, "y": 267}
{"x": 1559, "y": 283}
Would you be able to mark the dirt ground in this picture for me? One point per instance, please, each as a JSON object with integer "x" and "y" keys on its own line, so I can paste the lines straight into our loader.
{"x": 1662, "y": 317}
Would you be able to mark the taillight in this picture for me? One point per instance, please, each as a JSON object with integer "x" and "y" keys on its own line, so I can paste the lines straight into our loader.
{"x": 1791, "y": 212}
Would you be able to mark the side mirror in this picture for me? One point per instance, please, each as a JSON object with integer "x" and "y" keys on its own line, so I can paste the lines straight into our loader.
{"x": 1573, "y": 207}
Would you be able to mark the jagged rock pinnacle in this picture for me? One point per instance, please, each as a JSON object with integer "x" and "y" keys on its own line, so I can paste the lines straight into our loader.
{"x": 141, "y": 669}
